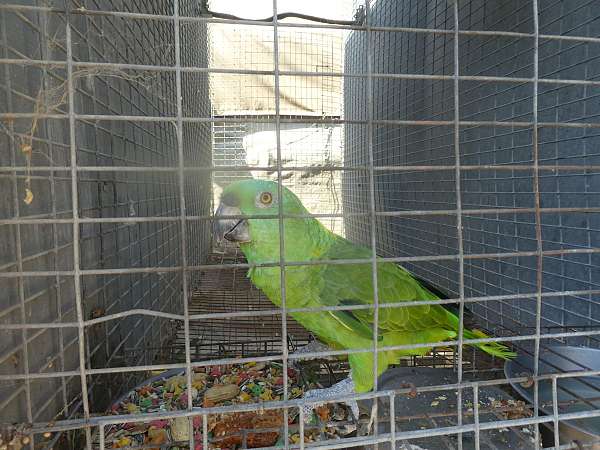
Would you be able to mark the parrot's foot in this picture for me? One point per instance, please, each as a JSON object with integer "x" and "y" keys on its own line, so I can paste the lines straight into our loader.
{"x": 344, "y": 387}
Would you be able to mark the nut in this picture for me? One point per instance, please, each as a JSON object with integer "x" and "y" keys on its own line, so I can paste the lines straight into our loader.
{"x": 221, "y": 393}
{"x": 180, "y": 429}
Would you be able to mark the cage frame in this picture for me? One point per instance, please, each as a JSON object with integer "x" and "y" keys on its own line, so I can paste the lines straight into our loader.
{"x": 183, "y": 219}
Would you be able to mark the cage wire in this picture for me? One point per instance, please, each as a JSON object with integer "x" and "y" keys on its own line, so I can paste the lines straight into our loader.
{"x": 306, "y": 145}
{"x": 457, "y": 138}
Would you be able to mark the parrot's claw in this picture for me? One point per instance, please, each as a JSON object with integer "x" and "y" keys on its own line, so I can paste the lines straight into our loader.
{"x": 344, "y": 387}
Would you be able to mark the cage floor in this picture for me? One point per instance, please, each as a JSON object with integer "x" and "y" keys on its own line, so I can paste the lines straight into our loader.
{"x": 228, "y": 290}
{"x": 435, "y": 409}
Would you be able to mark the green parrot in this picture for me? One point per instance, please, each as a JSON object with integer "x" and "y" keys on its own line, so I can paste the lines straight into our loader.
{"x": 306, "y": 239}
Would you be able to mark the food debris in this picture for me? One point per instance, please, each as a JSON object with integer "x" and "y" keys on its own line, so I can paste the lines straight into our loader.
{"x": 156, "y": 436}
{"x": 122, "y": 443}
{"x": 132, "y": 408}
{"x": 309, "y": 436}
{"x": 218, "y": 386}
{"x": 323, "y": 412}
{"x": 244, "y": 397}
{"x": 28, "y": 196}
{"x": 511, "y": 409}
{"x": 434, "y": 403}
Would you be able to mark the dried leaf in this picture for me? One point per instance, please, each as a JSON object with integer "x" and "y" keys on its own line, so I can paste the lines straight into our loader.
{"x": 97, "y": 312}
{"x": 26, "y": 150}
{"x": 28, "y": 196}
{"x": 323, "y": 412}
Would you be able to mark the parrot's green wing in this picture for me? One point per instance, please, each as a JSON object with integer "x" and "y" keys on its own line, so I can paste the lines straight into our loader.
{"x": 352, "y": 284}
{"x": 351, "y": 322}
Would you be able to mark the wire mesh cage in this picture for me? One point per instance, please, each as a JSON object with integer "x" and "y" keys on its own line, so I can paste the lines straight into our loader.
{"x": 454, "y": 138}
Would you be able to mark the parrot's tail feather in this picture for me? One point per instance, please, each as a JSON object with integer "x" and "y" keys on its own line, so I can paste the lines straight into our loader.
{"x": 491, "y": 348}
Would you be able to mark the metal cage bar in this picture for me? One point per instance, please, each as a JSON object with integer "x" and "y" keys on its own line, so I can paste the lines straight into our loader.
{"x": 459, "y": 217}
{"x": 538, "y": 217}
{"x": 76, "y": 238}
{"x": 280, "y": 223}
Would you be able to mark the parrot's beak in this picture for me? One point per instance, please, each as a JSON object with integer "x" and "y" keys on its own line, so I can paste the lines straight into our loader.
{"x": 234, "y": 230}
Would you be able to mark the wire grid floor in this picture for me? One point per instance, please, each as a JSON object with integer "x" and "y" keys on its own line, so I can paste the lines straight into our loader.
{"x": 227, "y": 291}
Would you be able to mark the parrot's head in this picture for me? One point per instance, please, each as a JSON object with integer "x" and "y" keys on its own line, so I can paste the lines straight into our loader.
{"x": 259, "y": 198}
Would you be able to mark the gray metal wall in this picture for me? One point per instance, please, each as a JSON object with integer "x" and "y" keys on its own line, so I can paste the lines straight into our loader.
{"x": 40, "y": 35}
{"x": 434, "y": 235}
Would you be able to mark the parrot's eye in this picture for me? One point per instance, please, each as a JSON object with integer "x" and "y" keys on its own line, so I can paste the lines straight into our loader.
{"x": 266, "y": 198}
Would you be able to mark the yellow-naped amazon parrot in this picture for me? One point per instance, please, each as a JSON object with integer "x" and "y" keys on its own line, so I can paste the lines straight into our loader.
{"x": 306, "y": 239}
